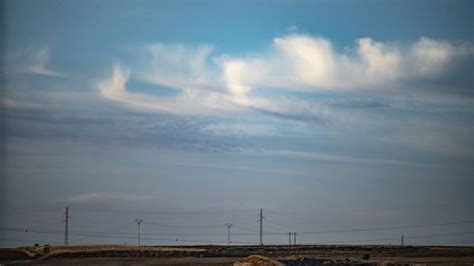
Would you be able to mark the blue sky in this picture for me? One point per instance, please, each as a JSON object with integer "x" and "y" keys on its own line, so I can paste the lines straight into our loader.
{"x": 341, "y": 114}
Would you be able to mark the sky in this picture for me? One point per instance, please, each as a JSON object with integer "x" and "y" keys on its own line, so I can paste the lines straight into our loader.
{"x": 328, "y": 115}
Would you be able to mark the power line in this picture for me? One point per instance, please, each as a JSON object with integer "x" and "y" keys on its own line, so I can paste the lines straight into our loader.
{"x": 217, "y": 225}
{"x": 217, "y": 241}
{"x": 398, "y": 238}
{"x": 452, "y": 242}
{"x": 316, "y": 232}
{"x": 173, "y": 225}
{"x": 277, "y": 224}
{"x": 186, "y": 226}
{"x": 160, "y": 212}
{"x": 359, "y": 240}
{"x": 112, "y": 232}
{"x": 293, "y": 218}
{"x": 245, "y": 229}
{"x": 386, "y": 228}
{"x": 27, "y": 210}
{"x": 118, "y": 237}
{"x": 272, "y": 227}
{"x": 367, "y": 229}
{"x": 240, "y": 220}
{"x": 438, "y": 235}
{"x": 29, "y": 241}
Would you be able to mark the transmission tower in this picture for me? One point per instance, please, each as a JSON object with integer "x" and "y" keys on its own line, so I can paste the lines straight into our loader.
{"x": 289, "y": 241}
{"x": 138, "y": 221}
{"x": 229, "y": 225}
{"x": 66, "y": 227}
{"x": 261, "y": 227}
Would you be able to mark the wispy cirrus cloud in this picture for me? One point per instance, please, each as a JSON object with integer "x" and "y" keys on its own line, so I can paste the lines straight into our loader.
{"x": 101, "y": 197}
{"x": 189, "y": 102}
{"x": 178, "y": 66}
{"x": 196, "y": 101}
{"x": 31, "y": 61}
{"x": 327, "y": 157}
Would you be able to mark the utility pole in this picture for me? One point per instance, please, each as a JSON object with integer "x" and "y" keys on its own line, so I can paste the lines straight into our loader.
{"x": 229, "y": 225}
{"x": 138, "y": 221}
{"x": 289, "y": 241}
{"x": 261, "y": 227}
{"x": 294, "y": 238}
{"x": 66, "y": 227}
{"x": 402, "y": 241}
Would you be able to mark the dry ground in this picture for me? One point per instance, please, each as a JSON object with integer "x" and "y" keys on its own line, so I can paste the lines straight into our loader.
{"x": 228, "y": 255}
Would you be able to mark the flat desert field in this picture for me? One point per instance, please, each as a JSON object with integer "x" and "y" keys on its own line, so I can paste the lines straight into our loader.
{"x": 239, "y": 255}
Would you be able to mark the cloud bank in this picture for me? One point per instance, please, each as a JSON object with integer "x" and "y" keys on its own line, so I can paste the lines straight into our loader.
{"x": 208, "y": 82}
{"x": 305, "y": 63}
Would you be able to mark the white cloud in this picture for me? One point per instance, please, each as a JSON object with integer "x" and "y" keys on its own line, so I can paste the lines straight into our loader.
{"x": 189, "y": 102}
{"x": 195, "y": 101}
{"x": 311, "y": 60}
{"x": 305, "y": 63}
{"x": 210, "y": 82}
{"x": 377, "y": 61}
{"x": 429, "y": 56}
{"x": 32, "y": 61}
{"x": 101, "y": 197}
{"x": 178, "y": 66}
